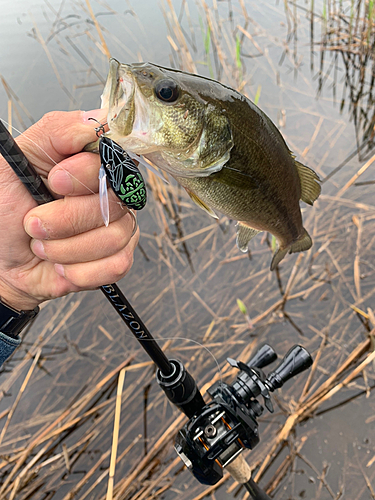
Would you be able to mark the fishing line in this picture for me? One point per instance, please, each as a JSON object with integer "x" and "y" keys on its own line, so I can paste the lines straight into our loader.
{"x": 27, "y": 174}
{"x": 199, "y": 344}
{"x": 102, "y": 188}
{"x": 104, "y": 200}
{"x": 100, "y": 183}
{"x": 139, "y": 158}
{"x": 48, "y": 156}
{"x": 33, "y": 182}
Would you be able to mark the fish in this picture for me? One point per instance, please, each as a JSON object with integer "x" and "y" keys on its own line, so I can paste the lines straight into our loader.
{"x": 222, "y": 148}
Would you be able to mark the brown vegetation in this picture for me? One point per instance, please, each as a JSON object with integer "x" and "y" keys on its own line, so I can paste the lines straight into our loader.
{"x": 59, "y": 400}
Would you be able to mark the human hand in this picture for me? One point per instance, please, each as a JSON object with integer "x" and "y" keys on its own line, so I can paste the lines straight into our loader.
{"x": 50, "y": 250}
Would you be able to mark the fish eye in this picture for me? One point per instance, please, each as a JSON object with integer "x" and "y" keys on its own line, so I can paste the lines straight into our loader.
{"x": 167, "y": 90}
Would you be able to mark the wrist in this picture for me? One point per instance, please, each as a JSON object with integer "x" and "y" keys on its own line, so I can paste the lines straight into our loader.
{"x": 16, "y": 299}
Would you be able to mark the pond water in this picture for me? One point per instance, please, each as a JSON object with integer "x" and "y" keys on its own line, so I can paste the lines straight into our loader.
{"x": 188, "y": 272}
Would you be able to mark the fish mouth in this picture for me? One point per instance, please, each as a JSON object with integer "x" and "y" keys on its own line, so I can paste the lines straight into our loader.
{"x": 118, "y": 97}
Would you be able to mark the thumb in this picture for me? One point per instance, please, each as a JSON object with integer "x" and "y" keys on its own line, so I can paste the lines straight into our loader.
{"x": 57, "y": 135}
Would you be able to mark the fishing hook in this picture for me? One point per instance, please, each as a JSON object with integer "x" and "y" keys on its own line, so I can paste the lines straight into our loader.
{"x": 134, "y": 215}
{"x": 100, "y": 128}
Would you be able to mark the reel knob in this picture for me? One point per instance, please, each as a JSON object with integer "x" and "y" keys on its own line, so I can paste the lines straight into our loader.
{"x": 263, "y": 357}
{"x": 294, "y": 362}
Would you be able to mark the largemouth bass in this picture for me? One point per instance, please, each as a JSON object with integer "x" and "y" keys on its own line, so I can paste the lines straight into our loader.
{"x": 226, "y": 153}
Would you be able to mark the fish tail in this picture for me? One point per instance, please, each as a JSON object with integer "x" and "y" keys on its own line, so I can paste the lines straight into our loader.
{"x": 304, "y": 242}
{"x": 278, "y": 256}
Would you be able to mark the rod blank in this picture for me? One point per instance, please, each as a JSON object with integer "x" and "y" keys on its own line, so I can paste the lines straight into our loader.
{"x": 13, "y": 154}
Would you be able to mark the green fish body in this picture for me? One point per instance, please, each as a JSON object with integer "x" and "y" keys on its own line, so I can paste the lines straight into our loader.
{"x": 217, "y": 144}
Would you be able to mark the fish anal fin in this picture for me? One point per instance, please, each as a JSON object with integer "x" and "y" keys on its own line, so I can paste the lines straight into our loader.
{"x": 244, "y": 235}
{"x": 201, "y": 204}
{"x": 303, "y": 243}
{"x": 310, "y": 187}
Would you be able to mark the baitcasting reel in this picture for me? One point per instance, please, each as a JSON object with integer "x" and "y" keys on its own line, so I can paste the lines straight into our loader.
{"x": 218, "y": 433}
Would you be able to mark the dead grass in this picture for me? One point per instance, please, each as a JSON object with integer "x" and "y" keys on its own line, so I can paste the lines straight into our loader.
{"x": 347, "y": 41}
{"x": 59, "y": 404}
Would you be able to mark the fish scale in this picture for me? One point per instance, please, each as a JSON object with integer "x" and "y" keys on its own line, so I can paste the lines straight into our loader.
{"x": 225, "y": 151}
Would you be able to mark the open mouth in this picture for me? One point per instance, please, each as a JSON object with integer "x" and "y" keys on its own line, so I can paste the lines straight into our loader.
{"x": 118, "y": 93}
{"x": 111, "y": 84}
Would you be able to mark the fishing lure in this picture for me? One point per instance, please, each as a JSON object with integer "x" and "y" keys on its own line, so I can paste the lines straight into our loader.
{"x": 123, "y": 175}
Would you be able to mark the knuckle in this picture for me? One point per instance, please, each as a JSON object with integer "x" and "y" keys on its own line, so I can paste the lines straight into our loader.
{"x": 59, "y": 125}
{"x": 63, "y": 287}
{"x": 50, "y": 117}
{"x": 51, "y": 121}
{"x": 120, "y": 237}
{"x": 121, "y": 265}
{"x": 69, "y": 223}
{"x": 74, "y": 279}
{"x": 72, "y": 218}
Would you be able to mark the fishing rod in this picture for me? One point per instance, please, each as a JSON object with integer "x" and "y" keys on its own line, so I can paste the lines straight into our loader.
{"x": 39, "y": 191}
{"x": 218, "y": 431}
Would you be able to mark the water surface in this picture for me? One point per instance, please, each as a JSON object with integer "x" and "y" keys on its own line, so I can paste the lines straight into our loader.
{"x": 188, "y": 272}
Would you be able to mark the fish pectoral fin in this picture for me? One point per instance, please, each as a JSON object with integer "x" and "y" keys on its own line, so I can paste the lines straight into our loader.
{"x": 310, "y": 187}
{"x": 201, "y": 204}
{"x": 303, "y": 243}
{"x": 231, "y": 176}
{"x": 244, "y": 235}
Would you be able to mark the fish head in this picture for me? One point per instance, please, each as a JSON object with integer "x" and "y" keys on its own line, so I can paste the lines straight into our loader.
{"x": 153, "y": 111}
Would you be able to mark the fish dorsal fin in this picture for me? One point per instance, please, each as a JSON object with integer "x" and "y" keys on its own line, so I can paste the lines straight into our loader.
{"x": 310, "y": 187}
{"x": 244, "y": 235}
{"x": 201, "y": 204}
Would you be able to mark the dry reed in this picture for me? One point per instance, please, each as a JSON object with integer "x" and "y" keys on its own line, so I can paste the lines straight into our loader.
{"x": 59, "y": 402}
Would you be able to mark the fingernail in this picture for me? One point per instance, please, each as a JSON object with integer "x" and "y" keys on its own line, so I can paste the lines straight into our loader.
{"x": 37, "y": 248}
{"x": 97, "y": 114}
{"x": 35, "y": 228}
{"x": 61, "y": 182}
{"x": 60, "y": 270}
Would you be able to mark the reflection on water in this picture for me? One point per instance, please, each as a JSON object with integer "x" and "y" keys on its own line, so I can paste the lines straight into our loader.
{"x": 348, "y": 35}
{"x": 188, "y": 273}
{"x": 342, "y": 37}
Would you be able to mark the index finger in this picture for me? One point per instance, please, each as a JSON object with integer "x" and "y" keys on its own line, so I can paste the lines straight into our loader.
{"x": 57, "y": 135}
